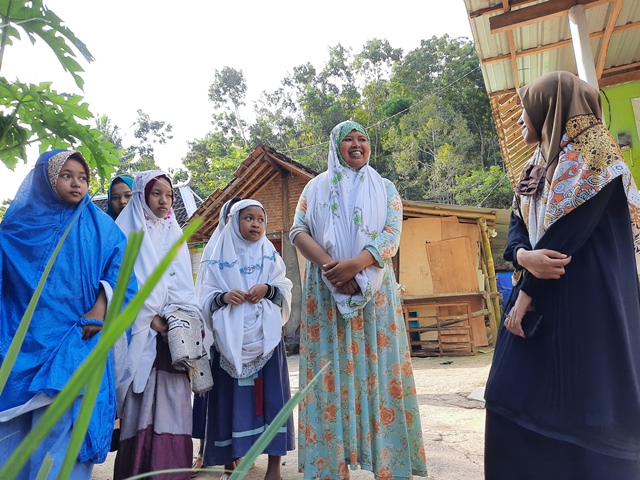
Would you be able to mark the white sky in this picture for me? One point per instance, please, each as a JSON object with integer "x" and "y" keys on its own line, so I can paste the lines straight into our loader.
{"x": 161, "y": 56}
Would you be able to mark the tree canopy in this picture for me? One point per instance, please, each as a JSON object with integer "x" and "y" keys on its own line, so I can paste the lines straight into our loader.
{"x": 427, "y": 113}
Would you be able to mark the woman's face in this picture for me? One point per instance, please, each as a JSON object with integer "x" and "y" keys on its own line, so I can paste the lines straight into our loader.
{"x": 72, "y": 184}
{"x": 120, "y": 196}
{"x": 355, "y": 149}
{"x": 252, "y": 223}
{"x": 160, "y": 198}
{"x": 529, "y": 134}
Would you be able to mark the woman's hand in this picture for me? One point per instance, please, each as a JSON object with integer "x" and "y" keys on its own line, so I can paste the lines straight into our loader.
{"x": 543, "y": 264}
{"x": 513, "y": 320}
{"x": 339, "y": 272}
{"x": 97, "y": 312}
{"x": 160, "y": 325}
{"x": 234, "y": 297}
{"x": 349, "y": 288}
{"x": 256, "y": 293}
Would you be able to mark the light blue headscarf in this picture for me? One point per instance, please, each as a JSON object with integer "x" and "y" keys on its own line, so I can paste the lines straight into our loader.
{"x": 92, "y": 253}
{"x": 120, "y": 178}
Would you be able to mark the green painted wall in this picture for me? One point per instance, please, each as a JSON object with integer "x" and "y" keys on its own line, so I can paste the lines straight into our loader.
{"x": 619, "y": 117}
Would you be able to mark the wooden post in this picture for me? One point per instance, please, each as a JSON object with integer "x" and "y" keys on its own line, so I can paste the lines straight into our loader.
{"x": 491, "y": 273}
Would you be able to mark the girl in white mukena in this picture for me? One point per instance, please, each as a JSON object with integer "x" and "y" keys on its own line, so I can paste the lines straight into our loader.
{"x": 246, "y": 299}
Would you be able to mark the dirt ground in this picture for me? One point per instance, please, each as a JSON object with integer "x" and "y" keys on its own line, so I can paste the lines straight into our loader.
{"x": 453, "y": 426}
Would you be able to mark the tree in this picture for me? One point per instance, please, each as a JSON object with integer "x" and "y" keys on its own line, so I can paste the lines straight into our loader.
{"x": 229, "y": 86}
{"x": 35, "y": 113}
{"x": 211, "y": 161}
{"x": 485, "y": 188}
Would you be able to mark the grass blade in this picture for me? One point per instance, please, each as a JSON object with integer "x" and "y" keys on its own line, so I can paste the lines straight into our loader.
{"x": 250, "y": 457}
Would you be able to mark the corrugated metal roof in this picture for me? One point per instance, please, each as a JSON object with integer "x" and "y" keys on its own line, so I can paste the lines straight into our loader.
{"x": 519, "y": 40}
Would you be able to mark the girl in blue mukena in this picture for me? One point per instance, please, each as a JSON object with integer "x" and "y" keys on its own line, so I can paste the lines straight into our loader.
{"x": 66, "y": 323}
{"x": 246, "y": 298}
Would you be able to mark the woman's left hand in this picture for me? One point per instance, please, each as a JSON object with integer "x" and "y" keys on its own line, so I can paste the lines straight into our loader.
{"x": 513, "y": 320}
{"x": 349, "y": 288}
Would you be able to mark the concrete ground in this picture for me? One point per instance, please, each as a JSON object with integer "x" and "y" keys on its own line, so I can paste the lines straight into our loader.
{"x": 453, "y": 426}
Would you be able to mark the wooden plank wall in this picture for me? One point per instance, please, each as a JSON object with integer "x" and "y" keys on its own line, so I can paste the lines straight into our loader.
{"x": 440, "y": 255}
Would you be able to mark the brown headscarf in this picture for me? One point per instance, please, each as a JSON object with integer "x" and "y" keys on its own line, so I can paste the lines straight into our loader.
{"x": 550, "y": 101}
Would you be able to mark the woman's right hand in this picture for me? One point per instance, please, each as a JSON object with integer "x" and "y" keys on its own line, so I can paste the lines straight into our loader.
{"x": 543, "y": 264}
{"x": 160, "y": 325}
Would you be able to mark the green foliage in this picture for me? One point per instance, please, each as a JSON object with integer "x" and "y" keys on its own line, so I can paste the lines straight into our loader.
{"x": 36, "y": 20}
{"x": 211, "y": 162}
{"x": 427, "y": 114}
{"x": 36, "y": 113}
{"x": 485, "y": 188}
{"x": 229, "y": 87}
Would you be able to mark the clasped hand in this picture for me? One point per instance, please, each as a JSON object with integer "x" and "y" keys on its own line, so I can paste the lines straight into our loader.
{"x": 254, "y": 295}
{"x": 543, "y": 264}
{"x": 341, "y": 274}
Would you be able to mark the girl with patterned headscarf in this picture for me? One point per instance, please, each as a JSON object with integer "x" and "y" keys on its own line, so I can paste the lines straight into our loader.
{"x": 571, "y": 390}
{"x": 246, "y": 299}
{"x": 154, "y": 395}
{"x": 70, "y": 311}
{"x": 364, "y": 412}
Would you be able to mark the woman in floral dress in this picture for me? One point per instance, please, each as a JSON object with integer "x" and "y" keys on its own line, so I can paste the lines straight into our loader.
{"x": 363, "y": 413}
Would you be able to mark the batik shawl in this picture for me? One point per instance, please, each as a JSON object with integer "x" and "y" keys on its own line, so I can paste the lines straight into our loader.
{"x": 587, "y": 156}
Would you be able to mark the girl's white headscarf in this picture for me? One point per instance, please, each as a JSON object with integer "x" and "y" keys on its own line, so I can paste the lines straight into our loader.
{"x": 347, "y": 210}
{"x": 174, "y": 290}
{"x": 207, "y": 252}
{"x": 247, "y": 331}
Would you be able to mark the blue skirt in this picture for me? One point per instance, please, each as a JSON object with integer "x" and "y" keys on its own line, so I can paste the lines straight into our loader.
{"x": 240, "y": 410}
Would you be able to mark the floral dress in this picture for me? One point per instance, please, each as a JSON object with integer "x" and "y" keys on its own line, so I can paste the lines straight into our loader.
{"x": 363, "y": 413}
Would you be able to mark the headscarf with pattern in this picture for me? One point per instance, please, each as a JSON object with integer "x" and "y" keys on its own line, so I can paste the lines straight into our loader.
{"x": 579, "y": 154}
{"x": 347, "y": 211}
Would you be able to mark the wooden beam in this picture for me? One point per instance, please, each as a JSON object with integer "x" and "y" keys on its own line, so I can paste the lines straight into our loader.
{"x": 511, "y": 20}
{"x": 621, "y": 68}
{"x": 512, "y": 49}
{"x": 497, "y": 8}
{"x": 614, "y": 13}
{"x": 556, "y": 45}
{"x": 617, "y": 79}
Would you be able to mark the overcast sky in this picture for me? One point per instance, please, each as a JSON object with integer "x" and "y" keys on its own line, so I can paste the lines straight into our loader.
{"x": 161, "y": 56}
